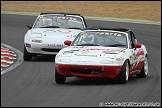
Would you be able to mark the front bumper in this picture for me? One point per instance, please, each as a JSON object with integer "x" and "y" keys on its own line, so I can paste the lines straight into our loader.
{"x": 38, "y": 48}
{"x": 88, "y": 70}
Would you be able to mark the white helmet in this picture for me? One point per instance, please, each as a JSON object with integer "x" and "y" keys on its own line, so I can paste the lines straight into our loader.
{"x": 47, "y": 21}
{"x": 88, "y": 39}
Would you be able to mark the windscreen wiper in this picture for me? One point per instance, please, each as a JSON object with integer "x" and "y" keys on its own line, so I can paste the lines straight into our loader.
{"x": 73, "y": 28}
{"x": 88, "y": 45}
{"x": 116, "y": 45}
{"x": 50, "y": 27}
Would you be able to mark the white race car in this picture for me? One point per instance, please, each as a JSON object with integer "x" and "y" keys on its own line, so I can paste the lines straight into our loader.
{"x": 49, "y": 32}
{"x": 102, "y": 53}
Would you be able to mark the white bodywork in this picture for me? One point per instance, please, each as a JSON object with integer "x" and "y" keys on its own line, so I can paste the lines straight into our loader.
{"x": 51, "y": 39}
{"x": 101, "y": 55}
{"x": 97, "y": 55}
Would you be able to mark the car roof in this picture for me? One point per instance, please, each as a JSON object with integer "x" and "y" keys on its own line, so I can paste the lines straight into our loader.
{"x": 113, "y": 29}
{"x": 60, "y": 13}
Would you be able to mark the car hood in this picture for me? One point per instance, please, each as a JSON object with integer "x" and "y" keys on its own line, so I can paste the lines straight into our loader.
{"x": 91, "y": 51}
{"x": 56, "y": 32}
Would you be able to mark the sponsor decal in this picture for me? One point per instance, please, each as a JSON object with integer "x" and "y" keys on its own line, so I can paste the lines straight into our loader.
{"x": 104, "y": 34}
{"x": 68, "y": 18}
{"x": 64, "y": 31}
{"x": 105, "y": 50}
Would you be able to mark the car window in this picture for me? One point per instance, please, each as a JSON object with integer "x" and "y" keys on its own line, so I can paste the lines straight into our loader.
{"x": 133, "y": 39}
{"x": 130, "y": 40}
{"x": 101, "y": 38}
{"x": 59, "y": 21}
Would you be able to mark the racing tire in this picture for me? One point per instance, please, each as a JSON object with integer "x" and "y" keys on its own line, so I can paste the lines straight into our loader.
{"x": 27, "y": 55}
{"x": 124, "y": 73}
{"x": 59, "y": 79}
{"x": 144, "y": 70}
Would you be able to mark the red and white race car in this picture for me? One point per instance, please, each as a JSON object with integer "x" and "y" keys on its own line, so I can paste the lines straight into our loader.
{"x": 103, "y": 53}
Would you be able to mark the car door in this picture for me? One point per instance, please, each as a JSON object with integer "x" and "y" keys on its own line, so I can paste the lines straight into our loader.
{"x": 132, "y": 55}
{"x": 138, "y": 54}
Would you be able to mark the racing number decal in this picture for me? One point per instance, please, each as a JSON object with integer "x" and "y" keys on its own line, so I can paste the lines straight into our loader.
{"x": 64, "y": 31}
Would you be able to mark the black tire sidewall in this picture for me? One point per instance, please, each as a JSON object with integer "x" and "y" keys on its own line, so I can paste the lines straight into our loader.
{"x": 122, "y": 75}
{"x": 59, "y": 79}
{"x": 27, "y": 55}
{"x": 142, "y": 74}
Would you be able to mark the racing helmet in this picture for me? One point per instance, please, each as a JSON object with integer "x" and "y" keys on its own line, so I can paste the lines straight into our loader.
{"x": 88, "y": 39}
{"x": 47, "y": 21}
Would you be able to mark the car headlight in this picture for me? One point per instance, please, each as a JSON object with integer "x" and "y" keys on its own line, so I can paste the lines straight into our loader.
{"x": 65, "y": 60}
{"x": 106, "y": 62}
{"x": 37, "y": 35}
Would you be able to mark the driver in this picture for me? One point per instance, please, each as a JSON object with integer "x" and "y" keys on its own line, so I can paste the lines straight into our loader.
{"x": 47, "y": 22}
{"x": 88, "y": 39}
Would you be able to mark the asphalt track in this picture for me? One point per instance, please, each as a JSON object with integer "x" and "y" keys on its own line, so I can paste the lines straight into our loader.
{"x": 32, "y": 83}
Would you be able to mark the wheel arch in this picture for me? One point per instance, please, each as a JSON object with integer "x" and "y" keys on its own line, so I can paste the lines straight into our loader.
{"x": 146, "y": 55}
{"x": 128, "y": 63}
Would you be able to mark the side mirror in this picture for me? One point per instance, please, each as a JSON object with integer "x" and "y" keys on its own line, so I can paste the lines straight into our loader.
{"x": 29, "y": 26}
{"x": 67, "y": 42}
{"x": 137, "y": 45}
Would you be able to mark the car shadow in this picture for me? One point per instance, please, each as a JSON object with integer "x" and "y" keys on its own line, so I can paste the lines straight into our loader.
{"x": 44, "y": 58}
{"x": 97, "y": 81}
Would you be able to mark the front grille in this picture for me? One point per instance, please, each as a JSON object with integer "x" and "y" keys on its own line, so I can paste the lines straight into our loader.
{"x": 86, "y": 71}
{"x": 50, "y": 50}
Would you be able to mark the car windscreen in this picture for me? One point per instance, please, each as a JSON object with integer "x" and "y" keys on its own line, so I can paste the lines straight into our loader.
{"x": 59, "y": 21}
{"x": 101, "y": 38}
